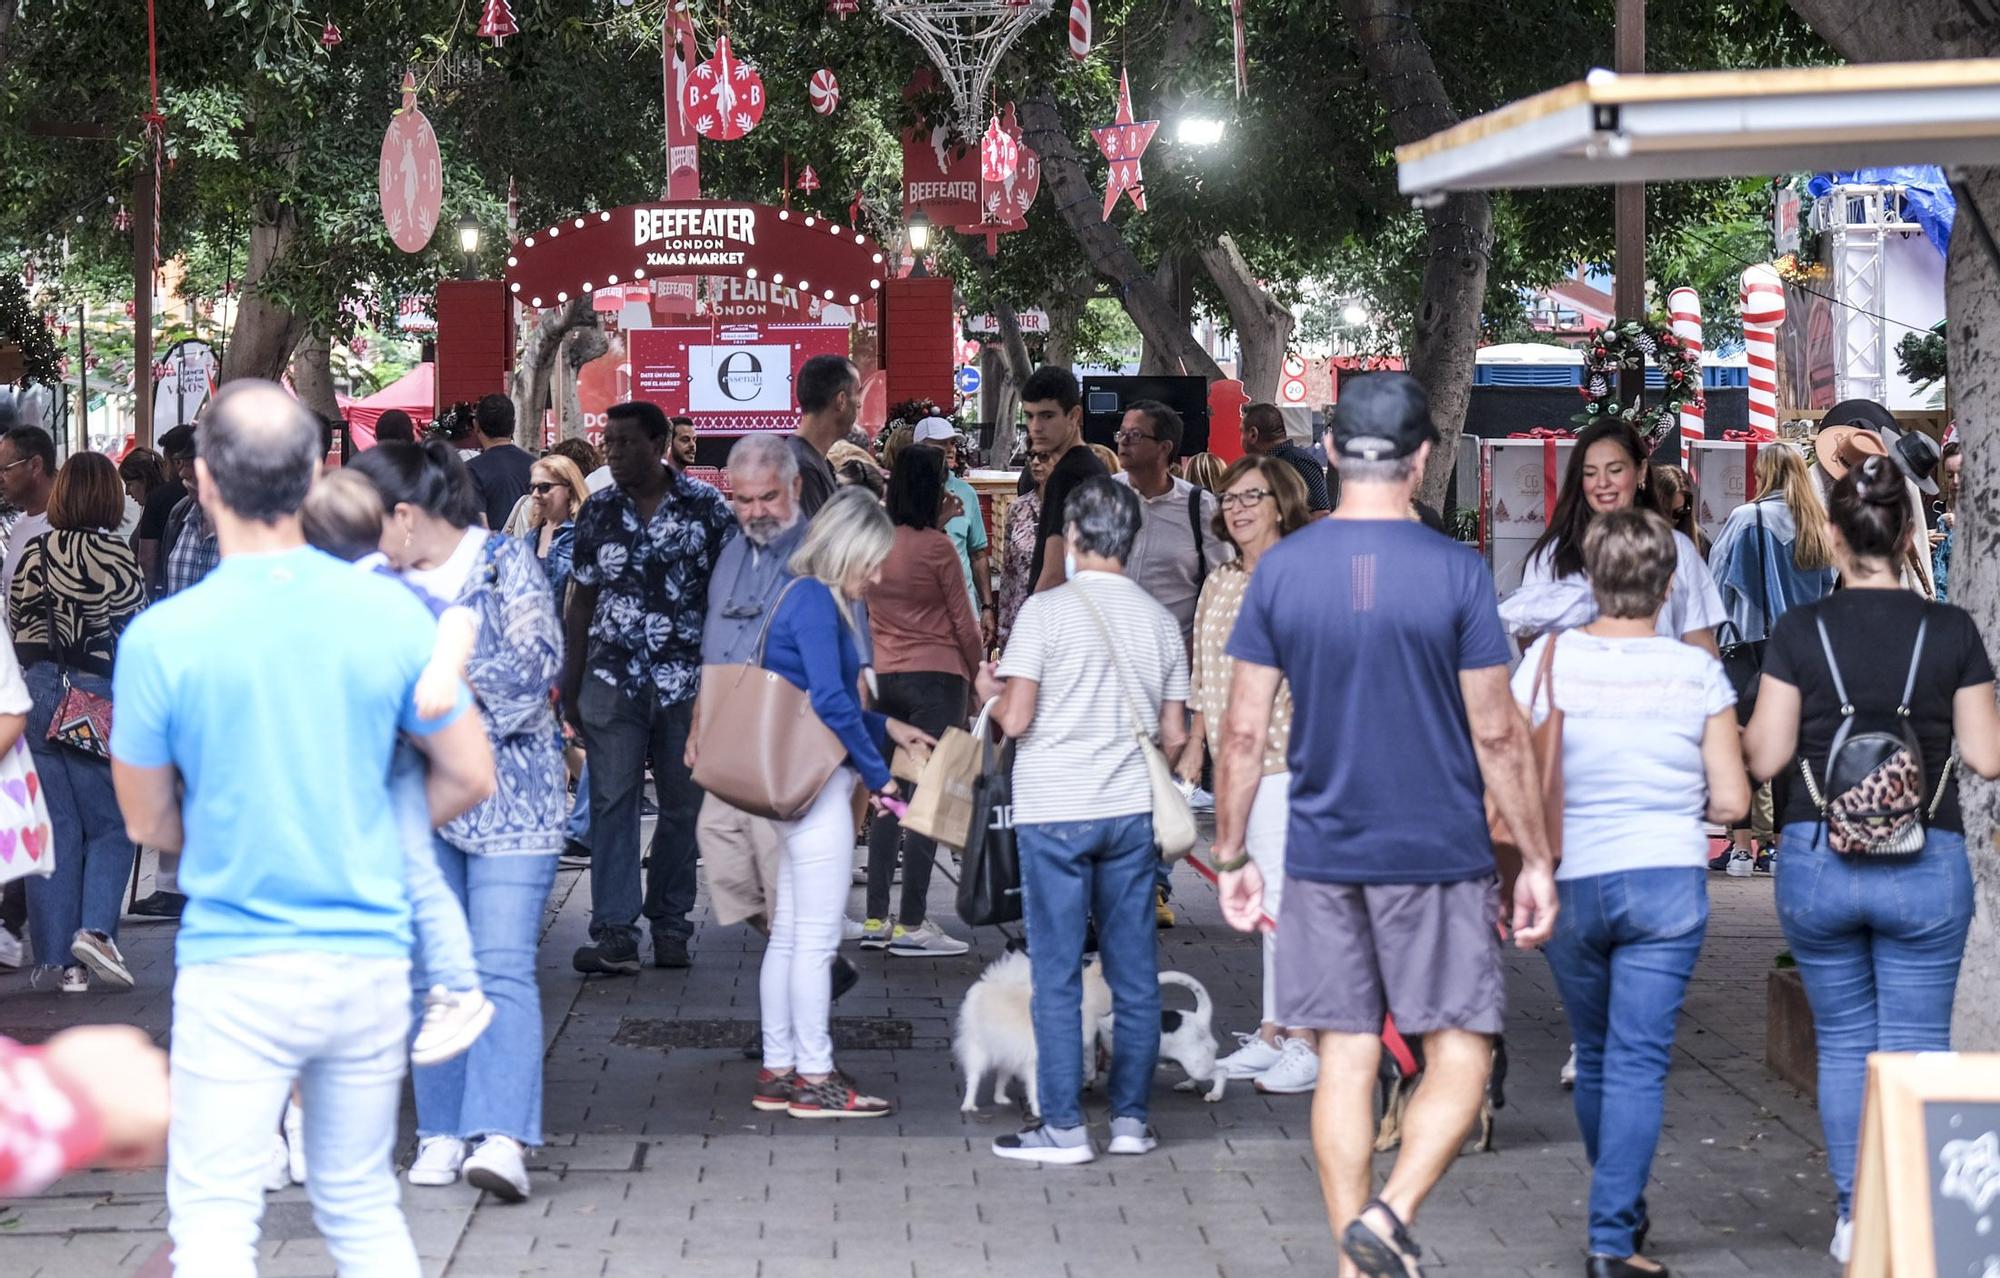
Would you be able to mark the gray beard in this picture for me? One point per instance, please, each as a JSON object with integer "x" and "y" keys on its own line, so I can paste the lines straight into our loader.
{"x": 761, "y": 532}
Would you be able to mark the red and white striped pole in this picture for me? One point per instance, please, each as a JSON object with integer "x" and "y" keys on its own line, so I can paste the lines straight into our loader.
{"x": 1763, "y": 300}
{"x": 1684, "y": 310}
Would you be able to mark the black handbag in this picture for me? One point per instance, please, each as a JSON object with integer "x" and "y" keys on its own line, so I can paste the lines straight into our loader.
{"x": 989, "y": 881}
{"x": 1743, "y": 661}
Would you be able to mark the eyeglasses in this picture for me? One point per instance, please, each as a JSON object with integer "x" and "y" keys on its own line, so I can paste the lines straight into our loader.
{"x": 1038, "y": 457}
{"x": 1248, "y": 498}
{"x": 1133, "y": 437}
{"x": 10, "y": 465}
{"x": 542, "y": 489}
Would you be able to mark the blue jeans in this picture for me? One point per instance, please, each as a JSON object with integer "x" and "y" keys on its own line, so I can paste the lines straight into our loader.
{"x": 578, "y": 830}
{"x": 1624, "y": 948}
{"x": 93, "y": 856}
{"x": 244, "y": 1028}
{"x": 1878, "y": 941}
{"x": 495, "y": 1089}
{"x": 444, "y": 943}
{"x": 621, "y": 732}
{"x": 1072, "y": 871}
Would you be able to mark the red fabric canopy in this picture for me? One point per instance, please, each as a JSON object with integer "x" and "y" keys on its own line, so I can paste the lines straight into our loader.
{"x": 415, "y": 393}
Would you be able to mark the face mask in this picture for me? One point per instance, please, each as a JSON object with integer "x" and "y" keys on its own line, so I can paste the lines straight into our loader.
{"x": 1069, "y": 564}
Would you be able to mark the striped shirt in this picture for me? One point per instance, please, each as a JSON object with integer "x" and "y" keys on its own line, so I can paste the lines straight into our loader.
{"x": 1079, "y": 759}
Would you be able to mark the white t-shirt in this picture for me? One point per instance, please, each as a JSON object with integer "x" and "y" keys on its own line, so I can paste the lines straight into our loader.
{"x": 1635, "y": 793}
{"x": 1079, "y": 759}
{"x": 26, "y": 529}
{"x": 1693, "y": 602}
{"x": 14, "y": 698}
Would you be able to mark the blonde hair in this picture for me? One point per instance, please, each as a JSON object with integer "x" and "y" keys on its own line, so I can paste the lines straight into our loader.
{"x": 1204, "y": 470}
{"x": 1112, "y": 465}
{"x": 899, "y": 439}
{"x": 569, "y": 475}
{"x": 848, "y": 538}
{"x": 1783, "y": 470}
{"x": 342, "y": 515}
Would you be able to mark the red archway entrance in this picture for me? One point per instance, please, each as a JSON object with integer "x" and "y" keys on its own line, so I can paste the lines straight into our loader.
{"x": 782, "y": 247}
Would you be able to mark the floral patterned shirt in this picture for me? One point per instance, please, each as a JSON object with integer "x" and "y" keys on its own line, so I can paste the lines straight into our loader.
{"x": 652, "y": 585}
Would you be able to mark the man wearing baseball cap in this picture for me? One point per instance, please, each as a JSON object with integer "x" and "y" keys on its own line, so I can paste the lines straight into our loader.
{"x": 967, "y": 529}
{"x": 1403, "y": 724}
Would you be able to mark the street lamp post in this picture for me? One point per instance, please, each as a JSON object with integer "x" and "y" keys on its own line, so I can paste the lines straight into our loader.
{"x": 468, "y": 245}
{"x": 918, "y": 228}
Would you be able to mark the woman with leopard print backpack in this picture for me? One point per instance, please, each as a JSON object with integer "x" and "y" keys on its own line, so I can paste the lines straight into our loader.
{"x": 1869, "y": 701}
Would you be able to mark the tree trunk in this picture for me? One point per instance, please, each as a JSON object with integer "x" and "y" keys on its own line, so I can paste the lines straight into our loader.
{"x": 540, "y": 345}
{"x": 1458, "y": 232}
{"x": 1263, "y": 328}
{"x": 1108, "y": 254}
{"x": 580, "y": 346}
{"x": 1010, "y": 367}
{"x": 312, "y": 375}
{"x": 1172, "y": 275}
{"x": 1918, "y": 30}
{"x": 260, "y": 344}
{"x": 1065, "y": 318}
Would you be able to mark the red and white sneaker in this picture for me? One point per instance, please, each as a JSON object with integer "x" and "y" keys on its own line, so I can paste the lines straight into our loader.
{"x": 835, "y": 1096}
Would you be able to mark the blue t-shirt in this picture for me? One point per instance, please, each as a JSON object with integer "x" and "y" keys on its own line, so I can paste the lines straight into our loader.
{"x": 276, "y": 687}
{"x": 1371, "y": 622}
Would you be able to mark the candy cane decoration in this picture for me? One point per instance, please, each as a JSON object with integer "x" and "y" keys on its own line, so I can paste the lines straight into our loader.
{"x": 1763, "y": 300}
{"x": 1684, "y": 309}
{"x": 1079, "y": 29}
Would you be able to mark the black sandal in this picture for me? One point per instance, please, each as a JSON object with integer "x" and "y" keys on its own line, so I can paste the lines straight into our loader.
{"x": 1379, "y": 1257}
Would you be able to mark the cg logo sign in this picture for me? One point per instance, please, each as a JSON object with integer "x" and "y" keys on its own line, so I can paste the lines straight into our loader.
{"x": 740, "y": 377}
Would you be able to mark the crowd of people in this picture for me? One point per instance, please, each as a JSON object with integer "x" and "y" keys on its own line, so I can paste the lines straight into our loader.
{"x": 507, "y": 648}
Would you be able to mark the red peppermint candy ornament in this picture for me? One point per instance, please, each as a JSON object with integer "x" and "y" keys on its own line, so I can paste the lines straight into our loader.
{"x": 824, "y": 91}
{"x": 725, "y": 96}
{"x": 1079, "y": 29}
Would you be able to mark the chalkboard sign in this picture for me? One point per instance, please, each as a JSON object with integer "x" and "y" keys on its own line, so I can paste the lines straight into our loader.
{"x": 1927, "y": 1182}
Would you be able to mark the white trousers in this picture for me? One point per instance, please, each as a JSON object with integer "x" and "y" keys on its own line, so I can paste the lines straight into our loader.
{"x": 815, "y": 875}
{"x": 1264, "y": 840}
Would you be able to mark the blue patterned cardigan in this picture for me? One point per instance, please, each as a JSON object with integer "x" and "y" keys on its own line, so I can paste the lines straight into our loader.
{"x": 514, "y": 664}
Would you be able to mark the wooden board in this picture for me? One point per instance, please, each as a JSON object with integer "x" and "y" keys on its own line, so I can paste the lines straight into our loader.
{"x": 1927, "y": 1179}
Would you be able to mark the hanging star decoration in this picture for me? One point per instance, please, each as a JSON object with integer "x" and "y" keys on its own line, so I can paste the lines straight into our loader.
{"x": 1123, "y": 141}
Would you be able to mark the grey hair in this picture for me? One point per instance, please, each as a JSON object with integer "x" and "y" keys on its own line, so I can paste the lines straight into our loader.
{"x": 848, "y": 538}
{"x": 764, "y": 449}
{"x": 1102, "y": 518}
{"x": 1393, "y": 470}
{"x": 262, "y": 447}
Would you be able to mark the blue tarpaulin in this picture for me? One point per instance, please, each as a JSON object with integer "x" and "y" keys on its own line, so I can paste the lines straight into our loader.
{"x": 1927, "y": 196}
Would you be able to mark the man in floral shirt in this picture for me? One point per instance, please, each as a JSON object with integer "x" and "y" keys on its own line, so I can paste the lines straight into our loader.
{"x": 645, "y": 549}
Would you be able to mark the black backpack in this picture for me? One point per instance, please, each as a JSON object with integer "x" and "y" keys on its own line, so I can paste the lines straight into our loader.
{"x": 1872, "y": 796}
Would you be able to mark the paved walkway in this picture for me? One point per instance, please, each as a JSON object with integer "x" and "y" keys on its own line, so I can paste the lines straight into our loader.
{"x": 657, "y": 1164}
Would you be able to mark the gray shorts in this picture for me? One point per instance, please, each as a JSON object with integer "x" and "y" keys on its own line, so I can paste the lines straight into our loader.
{"x": 1427, "y": 953}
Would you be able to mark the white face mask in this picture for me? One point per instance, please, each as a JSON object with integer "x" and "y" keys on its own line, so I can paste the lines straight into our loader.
{"x": 1069, "y": 564}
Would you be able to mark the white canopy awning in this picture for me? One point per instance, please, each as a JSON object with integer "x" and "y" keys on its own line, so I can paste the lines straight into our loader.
{"x": 1608, "y": 129}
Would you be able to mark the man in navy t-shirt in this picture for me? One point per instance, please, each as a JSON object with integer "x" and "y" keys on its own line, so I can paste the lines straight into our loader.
{"x": 1390, "y": 639}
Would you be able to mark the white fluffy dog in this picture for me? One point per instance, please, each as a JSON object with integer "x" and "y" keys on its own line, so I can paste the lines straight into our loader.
{"x": 996, "y": 1032}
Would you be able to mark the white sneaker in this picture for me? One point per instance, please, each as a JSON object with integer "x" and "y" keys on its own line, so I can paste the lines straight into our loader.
{"x": 438, "y": 1160}
{"x": 277, "y": 1171}
{"x": 1200, "y": 800}
{"x": 1741, "y": 864}
{"x": 1568, "y": 1076}
{"x": 453, "y": 1021}
{"x": 1252, "y": 1057}
{"x": 925, "y": 941}
{"x": 99, "y": 953}
{"x": 1132, "y": 1136}
{"x": 875, "y": 934}
{"x": 1842, "y": 1246}
{"x": 295, "y": 1143}
{"x": 500, "y": 1167}
{"x": 11, "y": 949}
{"x": 1297, "y": 1070}
{"x": 850, "y": 928}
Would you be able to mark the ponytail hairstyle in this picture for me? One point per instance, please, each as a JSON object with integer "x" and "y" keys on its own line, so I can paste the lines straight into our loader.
{"x": 1573, "y": 513}
{"x": 1871, "y": 508}
{"x": 429, "y": 476}
{"x": 1782, "y": 471}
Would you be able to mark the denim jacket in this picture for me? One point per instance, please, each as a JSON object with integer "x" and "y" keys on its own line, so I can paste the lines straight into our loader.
{"x": 513, "y": 667}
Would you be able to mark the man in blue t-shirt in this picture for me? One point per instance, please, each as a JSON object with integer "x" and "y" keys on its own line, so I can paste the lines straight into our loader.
{"x": 1403, "y": 725}
{"x": 256, "y": 715}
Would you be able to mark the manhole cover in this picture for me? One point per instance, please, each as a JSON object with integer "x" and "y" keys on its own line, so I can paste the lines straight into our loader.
{"x": 850, "y": 1034}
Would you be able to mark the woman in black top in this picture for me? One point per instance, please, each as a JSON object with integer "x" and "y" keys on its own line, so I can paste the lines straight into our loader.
{"x": 77, "y": 588}
{"x": 1878, "y": 938}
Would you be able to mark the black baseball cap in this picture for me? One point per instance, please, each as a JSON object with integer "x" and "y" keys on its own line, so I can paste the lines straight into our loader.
{"x": 1382, "y": 417}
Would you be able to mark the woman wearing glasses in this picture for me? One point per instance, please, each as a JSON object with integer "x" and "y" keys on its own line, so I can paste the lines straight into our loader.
{"x": 555, "y": 492}
{"x": 1023, "y": 517}
{"x": 1262, "y": 500}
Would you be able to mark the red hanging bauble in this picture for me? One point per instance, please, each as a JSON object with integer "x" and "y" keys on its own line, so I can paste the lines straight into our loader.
{"x": 824, "y": 90}
{"x": 725, "y": 96}
{"x": 998, "y": 154}
{"x": 131, "y": 309}
{"x": 121, "y": 221}
{"x": 329, "y": 36}
{"x": 496, "y": 23}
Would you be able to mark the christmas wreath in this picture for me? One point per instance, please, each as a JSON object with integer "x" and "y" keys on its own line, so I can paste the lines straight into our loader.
{"x": 1629, "y": 345}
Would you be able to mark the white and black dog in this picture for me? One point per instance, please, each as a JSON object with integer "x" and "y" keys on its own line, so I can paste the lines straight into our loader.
{"x": 1187, "y": 1039}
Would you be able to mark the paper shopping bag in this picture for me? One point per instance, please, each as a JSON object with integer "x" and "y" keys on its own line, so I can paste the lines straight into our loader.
{"x": 942, "y": 806}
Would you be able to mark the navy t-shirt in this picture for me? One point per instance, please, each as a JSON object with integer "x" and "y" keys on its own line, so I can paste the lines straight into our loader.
{"x": 1371, "y": 622}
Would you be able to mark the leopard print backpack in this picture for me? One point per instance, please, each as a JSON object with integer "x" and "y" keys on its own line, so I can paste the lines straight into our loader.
{"x": 1872, "y": 796}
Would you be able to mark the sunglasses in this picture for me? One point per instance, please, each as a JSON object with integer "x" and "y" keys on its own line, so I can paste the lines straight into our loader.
{"x": 1038, "y": 457}
{"x": 543, "y": 488}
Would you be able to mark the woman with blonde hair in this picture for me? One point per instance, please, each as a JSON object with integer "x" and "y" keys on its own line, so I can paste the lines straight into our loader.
{"x": 1204, "y": 470}
{"x": 556, "y": 491}
{"x": 815, "y": 642}
{"x": 1261, "y": 500}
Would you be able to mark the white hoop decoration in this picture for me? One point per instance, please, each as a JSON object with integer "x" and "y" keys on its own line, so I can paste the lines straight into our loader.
{"x": 966, "y": 39}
